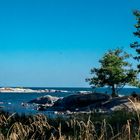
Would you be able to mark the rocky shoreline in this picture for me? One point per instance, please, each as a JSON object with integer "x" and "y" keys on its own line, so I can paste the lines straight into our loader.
{"x": 78, "y": 102}
{"x": 28, "y": 90}
{"x": 87, "y": 102}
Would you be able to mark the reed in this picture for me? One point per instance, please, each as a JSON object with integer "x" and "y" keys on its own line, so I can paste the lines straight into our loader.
{"x": 120, "y": 125}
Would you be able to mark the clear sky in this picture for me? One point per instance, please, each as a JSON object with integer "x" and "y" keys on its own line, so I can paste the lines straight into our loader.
{"x": 55, "y": 43}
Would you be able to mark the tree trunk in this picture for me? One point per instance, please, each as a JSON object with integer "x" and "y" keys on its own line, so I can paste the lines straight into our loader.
{"x": 114, "y": 94}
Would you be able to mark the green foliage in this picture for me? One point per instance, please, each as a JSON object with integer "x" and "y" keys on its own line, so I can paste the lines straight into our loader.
{"x": 114, "y": 71}
{"x": 136, "y": 44}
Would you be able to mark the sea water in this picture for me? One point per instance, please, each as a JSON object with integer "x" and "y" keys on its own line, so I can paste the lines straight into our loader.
{"x": 12, "y": 102}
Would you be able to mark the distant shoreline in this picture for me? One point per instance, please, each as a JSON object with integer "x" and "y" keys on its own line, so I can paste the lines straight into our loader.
{"x": 28, "y": 90}
{"x": 124, "y": 91}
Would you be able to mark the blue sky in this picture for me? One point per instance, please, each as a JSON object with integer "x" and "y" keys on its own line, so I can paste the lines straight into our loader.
{"x": 55, "y": 43}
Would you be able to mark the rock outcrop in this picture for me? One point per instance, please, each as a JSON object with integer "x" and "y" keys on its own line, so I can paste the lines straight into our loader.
{"x": 48, "y": 99}
{"x": 86, "y": 102}
{"x": 78, "y": 101}
{"x": 120, "y": 103}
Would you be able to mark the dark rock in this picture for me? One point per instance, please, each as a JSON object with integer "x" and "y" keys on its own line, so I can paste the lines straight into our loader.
{"x": 116, "y": 102}
{"x": 44, "y": 100}
{"x": 135, "y": 96}
{"x": 41, "y": 107}
{"x": 78, "y": 101}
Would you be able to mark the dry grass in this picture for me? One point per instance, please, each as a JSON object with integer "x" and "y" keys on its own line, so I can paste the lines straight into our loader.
{"x": 115, "y": 127}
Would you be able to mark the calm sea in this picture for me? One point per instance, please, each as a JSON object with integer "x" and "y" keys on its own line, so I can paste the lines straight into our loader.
{"x": 12, "y": 101}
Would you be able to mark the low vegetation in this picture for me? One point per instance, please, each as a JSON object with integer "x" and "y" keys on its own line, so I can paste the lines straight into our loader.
{"x": 120, "y": 125}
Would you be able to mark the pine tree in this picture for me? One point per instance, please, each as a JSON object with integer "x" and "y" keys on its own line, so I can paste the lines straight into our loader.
{"x": 136, "y": 44}
{"x": 114, "y": 71}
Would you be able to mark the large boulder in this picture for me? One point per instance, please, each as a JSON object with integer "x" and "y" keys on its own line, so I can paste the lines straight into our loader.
{"x": 47, "y": 99}
{"x": 78, "y": 101}
{"x": 115, "y": 102}
{"x": 120, "y": 103}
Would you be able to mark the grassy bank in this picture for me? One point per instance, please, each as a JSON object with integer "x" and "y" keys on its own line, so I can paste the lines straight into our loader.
{"x": 120, "y": 125}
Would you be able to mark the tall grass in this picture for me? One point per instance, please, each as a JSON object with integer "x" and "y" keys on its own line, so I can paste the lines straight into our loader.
{"x": 119, "y": 125}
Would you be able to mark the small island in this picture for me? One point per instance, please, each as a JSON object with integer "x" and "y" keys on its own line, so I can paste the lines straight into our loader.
{"x": 28, "y": 90}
